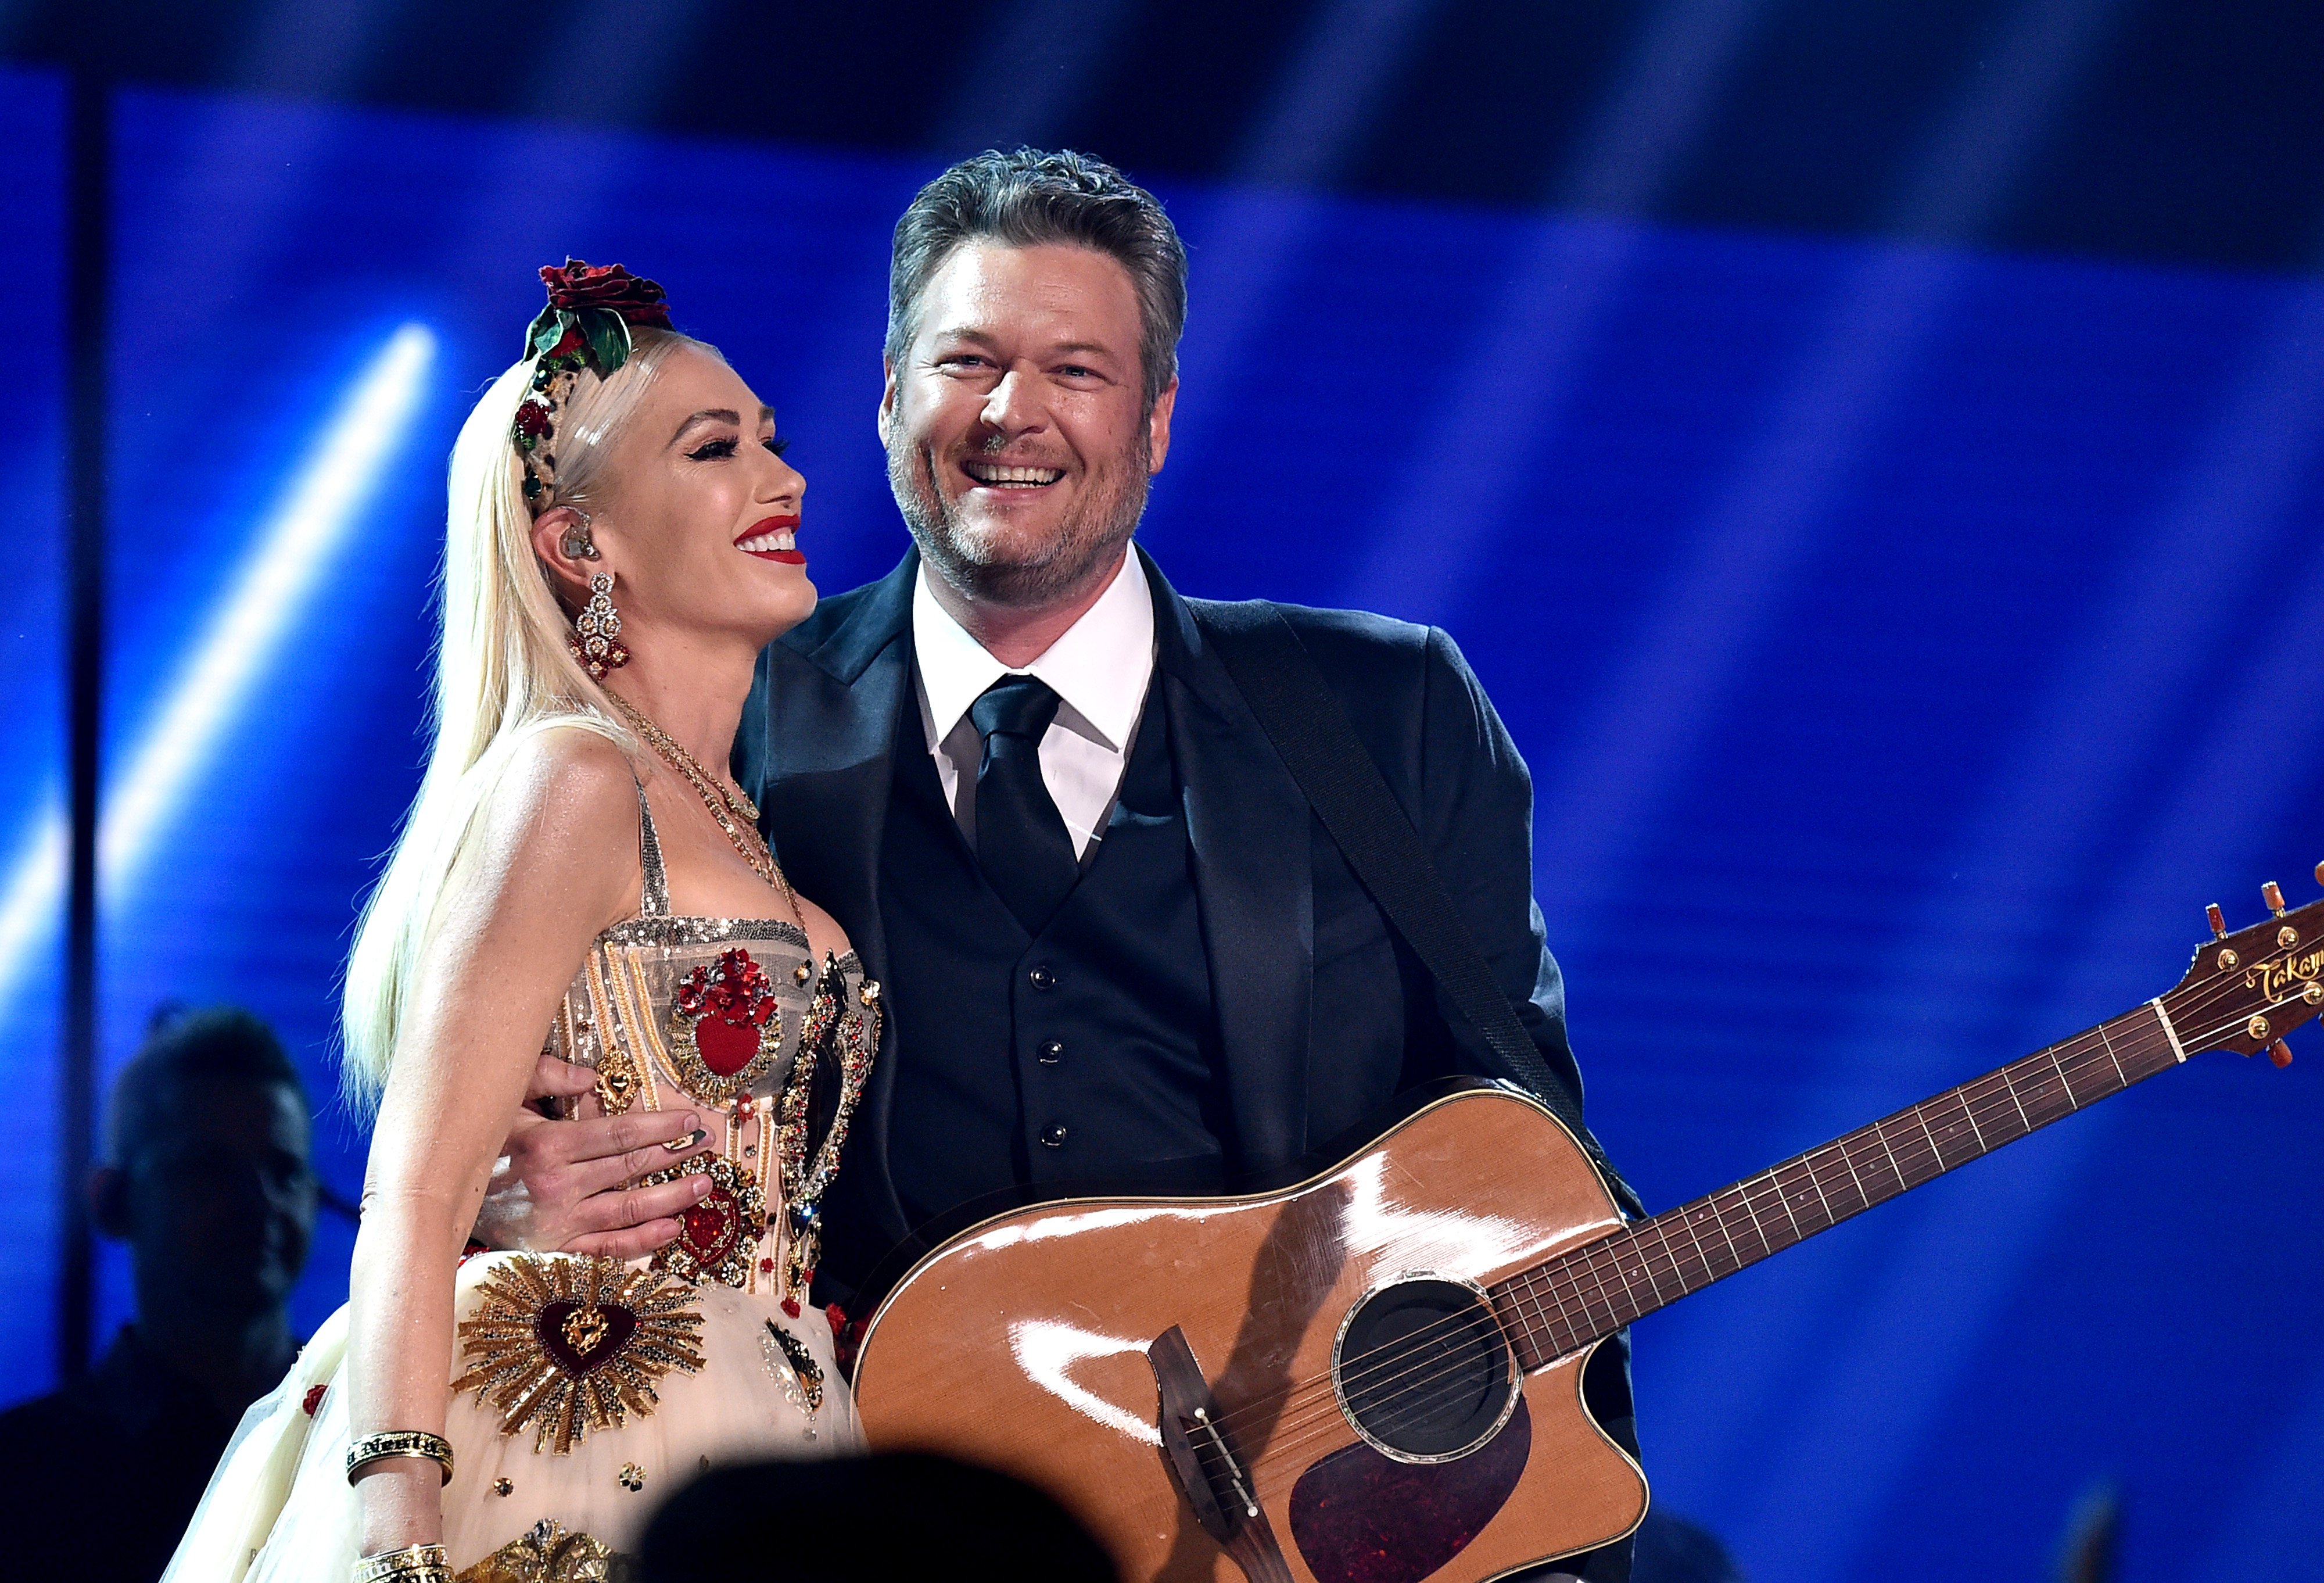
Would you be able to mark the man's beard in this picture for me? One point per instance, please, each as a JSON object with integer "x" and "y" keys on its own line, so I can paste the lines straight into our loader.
{"x": 1089, "y": 540}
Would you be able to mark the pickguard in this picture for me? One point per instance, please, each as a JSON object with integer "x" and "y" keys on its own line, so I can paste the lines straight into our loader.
{"x": 1358, "y": 1517}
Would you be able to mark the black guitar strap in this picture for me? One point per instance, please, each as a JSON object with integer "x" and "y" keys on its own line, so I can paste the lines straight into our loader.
{"x": 1317, "y": 744}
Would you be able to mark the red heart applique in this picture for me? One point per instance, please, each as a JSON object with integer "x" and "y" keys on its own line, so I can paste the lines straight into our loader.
{"x": 580, "y": 1337}
{"x": 708, "y": 1229}
{"x": 726, "y": 1047}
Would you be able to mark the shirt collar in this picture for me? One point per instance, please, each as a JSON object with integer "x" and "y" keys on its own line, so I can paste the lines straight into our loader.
{"x": 1100, "y": 666}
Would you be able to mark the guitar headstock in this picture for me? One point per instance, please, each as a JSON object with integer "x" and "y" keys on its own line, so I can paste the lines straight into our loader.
{"x": 2246, "y": 990}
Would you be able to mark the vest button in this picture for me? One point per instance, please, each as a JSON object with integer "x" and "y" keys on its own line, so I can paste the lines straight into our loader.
{"x": 1043, "y": 976}
{"x": 1052, "y": 1053}
{"x": 1054, "y": 1136}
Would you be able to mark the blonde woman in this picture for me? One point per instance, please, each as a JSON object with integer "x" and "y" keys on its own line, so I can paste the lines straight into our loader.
{"x": 578, "y": 873}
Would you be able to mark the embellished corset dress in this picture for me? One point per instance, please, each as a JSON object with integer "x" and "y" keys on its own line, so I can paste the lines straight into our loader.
{"x": 585, "y": 1390}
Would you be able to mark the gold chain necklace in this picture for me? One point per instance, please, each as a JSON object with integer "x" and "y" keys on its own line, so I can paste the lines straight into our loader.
{"x": 733, "y": 809}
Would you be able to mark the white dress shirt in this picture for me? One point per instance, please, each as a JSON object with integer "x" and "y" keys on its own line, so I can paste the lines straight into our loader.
{"x": 1099, "y": 668}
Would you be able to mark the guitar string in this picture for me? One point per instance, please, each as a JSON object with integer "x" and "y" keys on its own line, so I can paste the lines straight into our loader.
{"x": 1582, "y": 1271}
{"x": 1995, "y": 1085}
{"x": 1587, "y": 1275}
{"x": 1296, "y": 1432}
{"x": 1590, "y": 1270}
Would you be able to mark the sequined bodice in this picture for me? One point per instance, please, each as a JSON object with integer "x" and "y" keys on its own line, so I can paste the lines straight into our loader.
{"x": 713, "y": 1014}
{"x": 631, "y": 1011}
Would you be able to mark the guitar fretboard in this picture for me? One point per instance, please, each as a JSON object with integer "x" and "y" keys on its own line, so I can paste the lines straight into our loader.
{"x": 1561, "y": 1306}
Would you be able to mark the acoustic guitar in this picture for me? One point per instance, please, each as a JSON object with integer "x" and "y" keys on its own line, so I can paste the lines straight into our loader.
{"x": 1374, "y": 1376}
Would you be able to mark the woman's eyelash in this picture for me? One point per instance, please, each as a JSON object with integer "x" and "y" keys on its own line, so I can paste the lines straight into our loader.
{"x": 719, "y": 450}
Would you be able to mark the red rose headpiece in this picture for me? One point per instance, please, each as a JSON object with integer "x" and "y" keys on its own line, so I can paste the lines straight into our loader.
{"x": 587, "y": 323}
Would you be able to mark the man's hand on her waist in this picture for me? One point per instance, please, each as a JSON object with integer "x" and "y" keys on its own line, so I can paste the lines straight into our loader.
{"x": 561, "y": 1186}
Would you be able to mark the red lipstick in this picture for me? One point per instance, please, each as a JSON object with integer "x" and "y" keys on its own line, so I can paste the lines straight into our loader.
{"x": 766, "y": 529}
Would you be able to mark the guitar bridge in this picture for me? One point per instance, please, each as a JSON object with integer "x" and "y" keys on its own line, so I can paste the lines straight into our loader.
{"x": 1212, "y": 1475}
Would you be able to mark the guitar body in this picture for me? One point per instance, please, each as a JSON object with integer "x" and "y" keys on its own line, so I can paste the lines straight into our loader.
{"x": 1325, "y": 1383}
{"x": 1030, "y": 1344}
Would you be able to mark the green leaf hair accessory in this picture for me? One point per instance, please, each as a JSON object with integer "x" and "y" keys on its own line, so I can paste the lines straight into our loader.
{"x": 587, "y": 324}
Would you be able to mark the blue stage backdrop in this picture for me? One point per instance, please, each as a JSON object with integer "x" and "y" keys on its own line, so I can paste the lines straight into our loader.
{"x": 33, "y": 833}
{"x": 1905, "y": 643}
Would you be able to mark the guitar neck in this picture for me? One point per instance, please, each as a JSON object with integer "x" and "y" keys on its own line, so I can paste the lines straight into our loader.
{"x": 1559, "y": 1307}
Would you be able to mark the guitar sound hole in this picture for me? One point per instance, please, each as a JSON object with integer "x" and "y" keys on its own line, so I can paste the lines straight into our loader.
{"x": 1423, "y": 1371}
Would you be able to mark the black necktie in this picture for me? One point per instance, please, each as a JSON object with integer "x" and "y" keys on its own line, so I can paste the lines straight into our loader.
{"x": 1021, "y": 842}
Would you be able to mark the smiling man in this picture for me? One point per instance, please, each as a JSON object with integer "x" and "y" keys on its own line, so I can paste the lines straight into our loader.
{"x": 1119, "y": 947}
{"x": 1121, "y": 950}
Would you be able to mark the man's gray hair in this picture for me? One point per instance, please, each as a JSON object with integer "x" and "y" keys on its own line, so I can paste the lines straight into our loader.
{"x": 1030, "y": 199}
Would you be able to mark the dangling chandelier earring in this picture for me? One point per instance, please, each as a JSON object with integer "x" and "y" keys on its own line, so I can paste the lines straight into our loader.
{"x": 597, "y": 636}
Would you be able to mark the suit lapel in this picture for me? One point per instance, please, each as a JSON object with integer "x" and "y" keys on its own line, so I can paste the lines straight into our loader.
{"x": 835, "y": 693}
{"x": 1249, "y": 826}
{"x": 835, "y": 697}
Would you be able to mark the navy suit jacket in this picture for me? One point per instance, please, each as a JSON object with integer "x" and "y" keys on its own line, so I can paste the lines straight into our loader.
{"x": 1323, "y": 1015}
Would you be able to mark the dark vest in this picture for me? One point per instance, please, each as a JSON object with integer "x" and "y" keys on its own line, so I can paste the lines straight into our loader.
{"x": 1087, "y": 1055}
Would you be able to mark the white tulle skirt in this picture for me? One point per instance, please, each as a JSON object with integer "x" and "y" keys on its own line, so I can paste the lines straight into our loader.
{"x": 280, "y": 1510}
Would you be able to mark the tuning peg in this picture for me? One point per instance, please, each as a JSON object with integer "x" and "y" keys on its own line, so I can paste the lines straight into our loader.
{"x": 2319, "y": 874}
{"x": 2280, "y": 1053}
{"x": 2218, "y": 921}
{"x": 2272, "y": 894}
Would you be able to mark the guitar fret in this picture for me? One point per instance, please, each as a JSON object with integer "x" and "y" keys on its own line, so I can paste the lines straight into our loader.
{"x": 2065, "y": 1079}
{"x": 1536, "y": 1321}
{"x": 1879, "y": 1131}
{"x": 1969, "y": 1111}
{"x": 1543, "y": 1310}
{"x": 1509, "y": 1306}
{"x": 1796, "y": 1196}
{"x": 1593, "y": 1289}
{"x": 1615, "y": 1257}
{"x": 1815, "y": 1180}
{"x": 1769, "y": 1178}
{"x": 1646, "y": 1252}
{"x": 1662, "y": 1231}
{"x": 1992, "y": 1121}
{"x": 1710, "y": 1206}
{"x": 1557, "y": 1307}
{"x": 1626, "y": 1303}
{"x": 2059, "y": 1078}
{"x": 2010, "y": 1088}
{"x": 1936, "y": 1155}
{"x": 2106, "y": 1044}
{"x": 1557, "y": 1321}
{"x": 1863, "y": 1199}
{"x": 1732, "y": 1229}
{"x": 2054, "y": 1088}
{"x": 1705, "y": 1254}
{"x": 1646, "y": 1263}
{"x": 1953, "y": 1130}
{"x": 1766, "y": 1247}
{"x": 1769, "y": 1242}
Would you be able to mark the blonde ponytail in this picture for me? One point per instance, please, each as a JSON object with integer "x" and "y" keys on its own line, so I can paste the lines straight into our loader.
{"x": 503, "y": 673}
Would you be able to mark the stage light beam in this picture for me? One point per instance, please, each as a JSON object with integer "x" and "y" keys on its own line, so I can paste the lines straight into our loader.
{"x": 293, "y": 548}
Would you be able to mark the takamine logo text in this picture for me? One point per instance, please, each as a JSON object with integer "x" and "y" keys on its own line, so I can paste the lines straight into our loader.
{"x": 2272, "y": 978}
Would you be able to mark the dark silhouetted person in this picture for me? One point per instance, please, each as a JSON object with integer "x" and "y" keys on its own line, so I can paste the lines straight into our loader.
{"x": 905, "y": 1517}
{"x": 207, "y": 1178}
{"x": 1673, "y": 1550}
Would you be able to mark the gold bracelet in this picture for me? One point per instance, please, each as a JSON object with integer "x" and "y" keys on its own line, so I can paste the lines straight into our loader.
{"x": 400, "y": 1442}
{"x": 418, "y": 1563}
